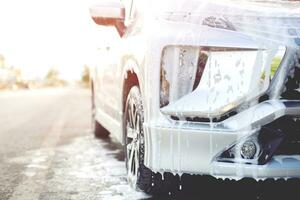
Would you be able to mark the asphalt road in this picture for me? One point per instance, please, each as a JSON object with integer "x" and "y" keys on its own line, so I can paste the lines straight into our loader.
{"x": 47, "y": 151}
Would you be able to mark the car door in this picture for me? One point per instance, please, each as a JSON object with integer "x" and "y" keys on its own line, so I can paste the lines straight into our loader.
{"x": 108, "y": 73}
{"x": 107, "y": 77}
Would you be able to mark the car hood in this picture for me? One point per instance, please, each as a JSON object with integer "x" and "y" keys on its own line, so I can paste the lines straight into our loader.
{"x": 277, "y": 21}
{"x": 267, "y": 6}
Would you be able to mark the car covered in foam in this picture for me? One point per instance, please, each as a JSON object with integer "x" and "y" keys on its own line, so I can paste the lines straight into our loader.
{"x": 200, "y": 87}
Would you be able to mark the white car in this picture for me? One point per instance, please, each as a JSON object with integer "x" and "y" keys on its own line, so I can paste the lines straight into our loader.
{"x": 198, "y": 87}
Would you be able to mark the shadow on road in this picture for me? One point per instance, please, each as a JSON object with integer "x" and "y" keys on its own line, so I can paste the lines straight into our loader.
{"x": 197, "y": 187}
{"x": 115, "y": 147}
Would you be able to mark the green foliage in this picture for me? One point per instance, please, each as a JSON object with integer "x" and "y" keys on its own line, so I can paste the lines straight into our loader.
{"x": 274, "y": 66}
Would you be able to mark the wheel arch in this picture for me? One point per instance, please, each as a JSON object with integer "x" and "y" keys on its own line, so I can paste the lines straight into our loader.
{"x": 130, "y": 77}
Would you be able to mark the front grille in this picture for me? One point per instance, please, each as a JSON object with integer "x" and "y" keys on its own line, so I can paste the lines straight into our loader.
{"x": 291, "y": 89}
{"x": 292, "y": 84}
{"x": 290, "y": 127}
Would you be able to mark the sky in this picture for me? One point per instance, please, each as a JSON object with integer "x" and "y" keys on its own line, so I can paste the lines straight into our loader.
{"x": 36, "y": 35}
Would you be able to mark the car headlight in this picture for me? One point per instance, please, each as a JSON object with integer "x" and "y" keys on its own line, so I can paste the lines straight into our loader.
{"x": 221, "y": 78}
{"x": 181, "y": 71}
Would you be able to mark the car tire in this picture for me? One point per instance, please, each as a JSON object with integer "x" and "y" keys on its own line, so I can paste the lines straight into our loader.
{"x": 139, "y": 176}
{"x": 98, "y": 130}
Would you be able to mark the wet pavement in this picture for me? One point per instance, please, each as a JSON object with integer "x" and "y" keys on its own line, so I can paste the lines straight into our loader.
{"x": 84, "y": 169}
{"x": 47, "y": 151}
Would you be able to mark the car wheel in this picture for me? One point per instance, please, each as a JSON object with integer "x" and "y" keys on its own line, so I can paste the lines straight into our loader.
{"x": 139, "y": 176}
{"x": 98, "y": 130}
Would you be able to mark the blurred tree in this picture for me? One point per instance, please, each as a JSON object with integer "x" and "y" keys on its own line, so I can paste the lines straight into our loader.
{"x": 17, "y": 72}
{"x": 52, "y": 79}
{"x": 85, "y": 76}
{"x": 52, "y": 75}
{"x": 2, "y": 61}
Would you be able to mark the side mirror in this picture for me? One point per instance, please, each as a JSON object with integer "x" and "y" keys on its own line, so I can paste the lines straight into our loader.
{"x": 109, "y": 13}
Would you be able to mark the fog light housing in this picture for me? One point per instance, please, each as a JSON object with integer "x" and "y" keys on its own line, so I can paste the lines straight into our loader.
{"x": 248, "y": 149}
{"x": 256, "y": 149}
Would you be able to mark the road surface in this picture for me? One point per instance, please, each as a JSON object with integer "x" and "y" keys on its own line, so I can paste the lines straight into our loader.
{"x": 47, "y": 151}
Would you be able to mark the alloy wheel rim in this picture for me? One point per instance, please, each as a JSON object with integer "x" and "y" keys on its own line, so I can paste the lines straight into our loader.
{"x": 133, "y": 132}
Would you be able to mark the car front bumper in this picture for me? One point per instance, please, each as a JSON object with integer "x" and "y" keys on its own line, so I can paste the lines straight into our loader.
{"x": 192, "y": 147}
